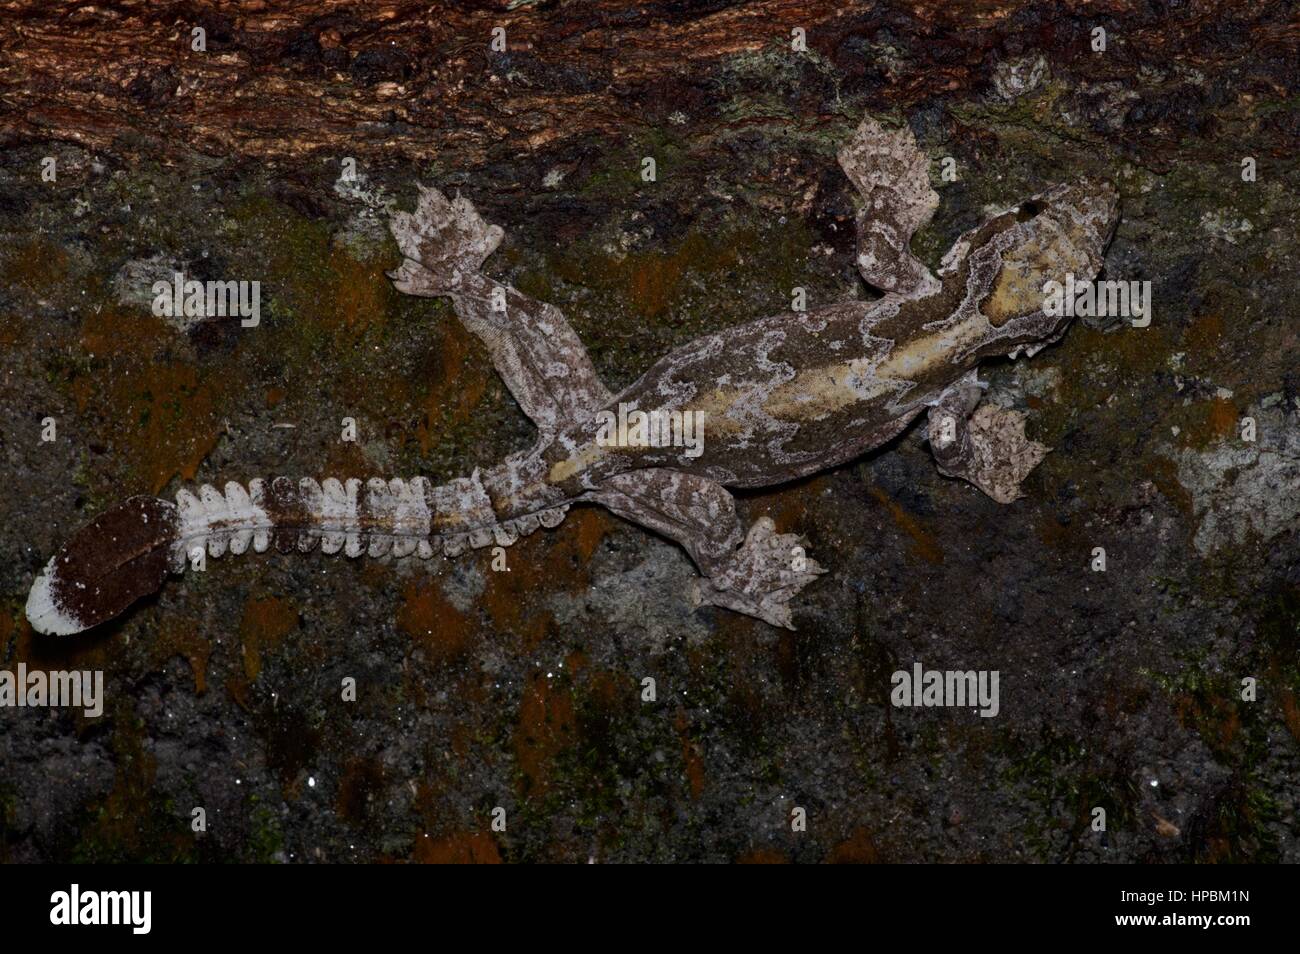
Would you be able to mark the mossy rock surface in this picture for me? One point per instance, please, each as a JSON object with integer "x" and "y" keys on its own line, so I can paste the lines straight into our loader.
{"x": 523, "y": 690}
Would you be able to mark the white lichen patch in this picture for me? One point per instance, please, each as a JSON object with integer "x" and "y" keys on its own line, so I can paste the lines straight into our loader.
{"x": 365, "y": 235}
{"x": 1241, "y": 488}
{"x": 133, "y": 285}
{"x": 1225, "y": 227}
{"x": 646, "y": 600}
{"x": 1014, "y": 78}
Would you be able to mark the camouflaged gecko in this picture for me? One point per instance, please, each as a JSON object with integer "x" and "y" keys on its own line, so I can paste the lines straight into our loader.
{"x": 781, "y": 397}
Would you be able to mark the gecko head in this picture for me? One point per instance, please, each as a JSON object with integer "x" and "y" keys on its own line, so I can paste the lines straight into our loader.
{"x": 1061, "y": 232}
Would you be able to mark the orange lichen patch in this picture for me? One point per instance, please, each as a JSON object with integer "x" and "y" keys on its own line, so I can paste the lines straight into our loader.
{"x": 652, "y": 282}
{"x": 385, "y": 406}
{"x": 1222, "y": 418}
{"x": 789, "y": 659}
{"x": 309, "y": 275}
{"x": 375, "y": 575}
{"x": 545, "y": 729}
{"x": 465, "y": 848}
{"x": 587, "y": 526}
{"x": 763, "y": 856}
{"x": 1204, "y": 336}
{"x": 858, "y": 849}
{"x": 737, "y": 630}
{"x": 609, "y": 693}
{"x": 510, "y": 598}
{"x": 694, "y": 765}
{"x": 1208, "y": 422}
{"x": 161, "y": 418}
{"x": 1164, "y": 475}
{"x": 361, "y": 791}
{"x": 1291, "y": 713}
{"x": 426, "y": 616}
{"x": 181, "y": 638}
{"x": 7, "y": 629}
{"x": 1214, "y": 718}
{"x": 238, "y": 687}
{"x": 36, "y": 266}
{"x": 159, "y": 414}
{"x": 11, "y": 331}
{"x": 458, "y": 375}
{"x": 346, "y": 459}
{"x": 110, "y": 330}
{"x": 356, "y": 295}
{"x": 922, "y": 543}
{"x": 1061, "y": 536}
{"x": 265, "y": 624}
{"x": 1140, "y": 351}
{"x": 118, "y": 820}
{"x": 789, "y": 506}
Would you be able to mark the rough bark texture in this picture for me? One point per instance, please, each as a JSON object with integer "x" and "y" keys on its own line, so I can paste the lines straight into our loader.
{"x": 522, "y": 689}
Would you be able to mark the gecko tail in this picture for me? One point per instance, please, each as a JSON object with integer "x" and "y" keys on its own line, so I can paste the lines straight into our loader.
{"x": 126, "y": 553}
{"x": 117, "y": 558}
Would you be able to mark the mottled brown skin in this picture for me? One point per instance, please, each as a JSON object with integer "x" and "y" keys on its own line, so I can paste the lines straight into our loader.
{"x": 780, "y": 397}
{"x": 792, "y": 365}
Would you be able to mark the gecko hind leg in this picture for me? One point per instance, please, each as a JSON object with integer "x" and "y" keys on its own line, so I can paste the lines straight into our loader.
{"x": 757, "y": 573}
{"x": 891, "y": 174}
{"x": 539, "y": 356}
{"x": 982, "y": 444}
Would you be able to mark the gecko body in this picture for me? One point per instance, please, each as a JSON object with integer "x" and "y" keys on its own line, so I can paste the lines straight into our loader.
{"x": 777, "y": 399}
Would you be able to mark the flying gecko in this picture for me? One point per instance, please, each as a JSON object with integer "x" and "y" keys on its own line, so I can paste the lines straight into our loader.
{"x": 776, "y": 399}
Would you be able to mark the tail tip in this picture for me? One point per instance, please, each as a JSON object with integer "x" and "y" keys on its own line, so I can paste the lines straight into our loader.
{"x": 47, "y": 614}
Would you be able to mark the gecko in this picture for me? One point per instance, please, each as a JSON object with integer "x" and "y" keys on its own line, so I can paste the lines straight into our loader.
{"x": 777, "y": 399}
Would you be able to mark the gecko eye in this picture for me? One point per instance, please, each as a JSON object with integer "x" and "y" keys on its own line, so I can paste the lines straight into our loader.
{"x": 1028, "y": 210}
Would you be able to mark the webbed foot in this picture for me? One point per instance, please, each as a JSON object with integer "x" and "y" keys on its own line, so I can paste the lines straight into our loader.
{"x": 989, "y": 449}
{"x": 444, "y": 241}
{"x": 761, "y": 577}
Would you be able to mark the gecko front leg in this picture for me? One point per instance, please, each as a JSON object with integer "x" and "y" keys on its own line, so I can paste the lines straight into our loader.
{"x": 982, "y": 443}
{"x": 534, "y": 349}
{"x": 758, "y": 578}
{"x": 891, "y": 174}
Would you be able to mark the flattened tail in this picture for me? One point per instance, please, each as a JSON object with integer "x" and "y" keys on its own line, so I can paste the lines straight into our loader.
{"x": 126, "y": 553}
{"x": 117, "y": 558}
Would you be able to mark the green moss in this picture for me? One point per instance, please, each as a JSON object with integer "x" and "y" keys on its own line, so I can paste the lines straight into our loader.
{"x": 763, "y": 83}
{"x": 265, "y": 843}
{"x": 1061, "y": 777}
{"x": 1208, "y": 701}
{"x": 133, "y": 822}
